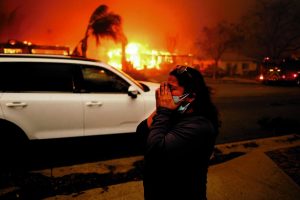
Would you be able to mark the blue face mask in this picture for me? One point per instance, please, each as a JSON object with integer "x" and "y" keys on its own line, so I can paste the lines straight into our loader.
{"x": 182, "y": 108}
{"x": 178, "y": 99}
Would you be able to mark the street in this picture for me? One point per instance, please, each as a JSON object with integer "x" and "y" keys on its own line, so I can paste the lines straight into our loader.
{"x": 250, "y": 111}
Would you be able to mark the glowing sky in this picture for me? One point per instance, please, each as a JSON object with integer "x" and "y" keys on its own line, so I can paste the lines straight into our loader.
{"x": 146, "y": 21}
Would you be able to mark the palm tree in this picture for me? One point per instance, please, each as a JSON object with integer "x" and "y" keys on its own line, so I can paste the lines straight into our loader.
{"x": 102, "y": 23}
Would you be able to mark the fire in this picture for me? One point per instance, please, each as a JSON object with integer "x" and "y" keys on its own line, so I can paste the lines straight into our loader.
{"x": 139, "y": 56}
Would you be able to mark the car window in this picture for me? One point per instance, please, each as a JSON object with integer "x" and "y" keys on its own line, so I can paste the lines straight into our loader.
{"x": 27, "y": 77}
{"x": 133, "y": 80}
{"x": 98, "y": 79}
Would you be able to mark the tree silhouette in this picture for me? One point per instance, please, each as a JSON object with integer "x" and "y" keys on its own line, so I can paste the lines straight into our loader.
{"x": 272, "y": 29}
{"x": 171, "y": 44}
{"x": 102, "y": 23}
{"x": 216, "y": 40}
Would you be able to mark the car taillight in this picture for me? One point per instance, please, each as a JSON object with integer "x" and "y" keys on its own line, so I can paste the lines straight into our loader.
{"x": 295, "y": 75}
{"x": 283, "y": 76}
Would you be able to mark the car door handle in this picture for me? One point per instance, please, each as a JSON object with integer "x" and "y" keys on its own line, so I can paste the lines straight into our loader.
{"x": 94, "y": 103}
{"x": 16, "y": 104}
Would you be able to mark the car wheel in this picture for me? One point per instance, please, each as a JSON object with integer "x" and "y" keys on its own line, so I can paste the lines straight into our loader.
{"x": 13, "y": 146}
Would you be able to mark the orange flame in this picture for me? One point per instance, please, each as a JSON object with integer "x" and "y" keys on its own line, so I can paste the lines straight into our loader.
{"x": 139, "y": 56}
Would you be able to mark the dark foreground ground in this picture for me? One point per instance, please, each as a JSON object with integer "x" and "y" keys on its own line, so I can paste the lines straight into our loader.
{"x": 288, "y": 159}
{"x": 34, "y": 181}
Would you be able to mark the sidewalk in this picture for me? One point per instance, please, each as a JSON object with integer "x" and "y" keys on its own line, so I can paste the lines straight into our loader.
{"x": 252, "y": 176}
{"x": 247, "y": 170}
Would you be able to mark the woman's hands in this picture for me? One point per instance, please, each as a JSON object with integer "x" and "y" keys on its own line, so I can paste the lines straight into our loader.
{"x": 164, "y": 97}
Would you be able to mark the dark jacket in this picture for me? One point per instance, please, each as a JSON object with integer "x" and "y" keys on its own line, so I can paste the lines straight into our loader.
{"x": 177, "y": 152}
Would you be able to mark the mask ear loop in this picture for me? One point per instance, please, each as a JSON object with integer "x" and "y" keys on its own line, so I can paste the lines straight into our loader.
{"x": 178, "y": 99}
{"x": 183, "y": 96}
{"x": 181, "y": 108}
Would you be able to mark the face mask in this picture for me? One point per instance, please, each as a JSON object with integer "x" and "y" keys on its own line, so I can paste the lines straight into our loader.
{"x": 177, "y": 99}
{"x": 182, "y": 108}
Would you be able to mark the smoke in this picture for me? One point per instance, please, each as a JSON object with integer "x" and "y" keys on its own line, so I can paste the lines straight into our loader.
{"x": 149, "y": 21}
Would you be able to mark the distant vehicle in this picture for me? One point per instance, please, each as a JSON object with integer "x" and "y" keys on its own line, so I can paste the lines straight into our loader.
{"x": 49, "y": 97}
{"x": 284, "y": 71}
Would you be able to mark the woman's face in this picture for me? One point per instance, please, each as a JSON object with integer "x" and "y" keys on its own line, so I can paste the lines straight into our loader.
{"x": 175, "y": 88}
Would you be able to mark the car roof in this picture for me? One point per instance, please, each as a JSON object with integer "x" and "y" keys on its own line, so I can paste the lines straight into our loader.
{"x": 52, "y": 58}
{"x": 61, "y": 59}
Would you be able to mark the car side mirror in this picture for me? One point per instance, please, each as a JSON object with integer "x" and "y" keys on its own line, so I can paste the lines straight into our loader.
{"x": 133, "y": 92}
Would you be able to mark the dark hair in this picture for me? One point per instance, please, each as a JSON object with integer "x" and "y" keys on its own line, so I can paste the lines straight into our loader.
{"x": 193, "y": 82}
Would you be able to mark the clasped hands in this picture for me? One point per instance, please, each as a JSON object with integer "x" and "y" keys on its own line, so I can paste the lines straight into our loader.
{"x": 164, "y": 97}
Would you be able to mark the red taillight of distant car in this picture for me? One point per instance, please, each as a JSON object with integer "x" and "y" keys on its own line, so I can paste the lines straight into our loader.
{"x": 283, "y": 77}
{"x": 295, "y": 75}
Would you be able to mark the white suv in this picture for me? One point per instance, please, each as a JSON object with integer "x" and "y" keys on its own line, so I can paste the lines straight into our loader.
{"x": 45, "y": 97}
